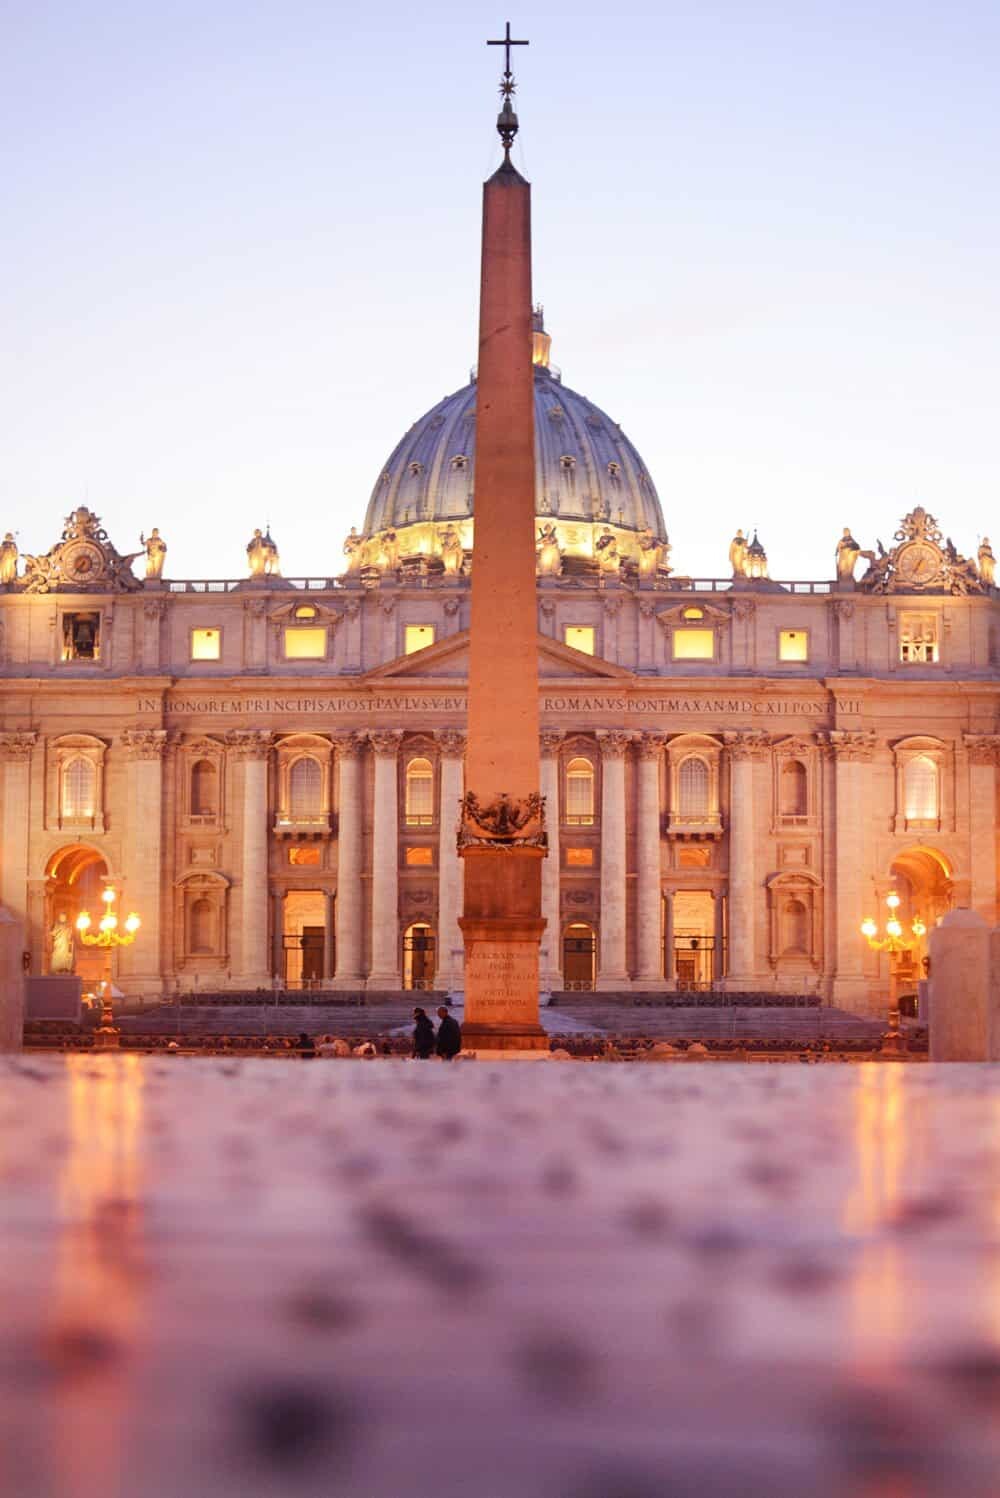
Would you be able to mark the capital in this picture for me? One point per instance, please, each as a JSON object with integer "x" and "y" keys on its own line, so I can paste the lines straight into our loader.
{"x": 16, "y": 745}
{"x": 614, "y": 743}
{"x": 650, "y": 745}
{"x": 350, "y": 745}
{"x": 751, "y": 744}
{"x": 550, "y": 740}
{"x": 843, "y": 608}
{"x": 851, "y": 744}
{"x": 144, "y": 743}
{"x": 451, "y": 742}
{"x": 245, "y": 743}
{"x": 385, "y": 741}
{"x": 982, "y": 748}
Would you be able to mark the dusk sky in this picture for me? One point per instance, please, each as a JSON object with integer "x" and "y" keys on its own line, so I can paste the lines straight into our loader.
{"x": 240, "y": 257}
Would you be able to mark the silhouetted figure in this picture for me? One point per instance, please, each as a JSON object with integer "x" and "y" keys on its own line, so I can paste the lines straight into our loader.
{"x": 423, "y": 1035}
{"x": 306, "y": 1047}
{"x": 449, "y": 1036}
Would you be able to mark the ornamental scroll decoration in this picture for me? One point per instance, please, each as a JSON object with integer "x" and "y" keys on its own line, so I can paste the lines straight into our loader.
{"x": 503, "y": 823}
{"x": 83, "y": 559}
{"x": 923, "y": 561}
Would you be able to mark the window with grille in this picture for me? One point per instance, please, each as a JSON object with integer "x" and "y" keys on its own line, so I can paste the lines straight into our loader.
{"x": 580, "y": 793}
{"x": 419, "y": 793}
{"x": 920, "y": 790}
{"x": 305, "y": 790}
{"x": 918, "y": 638}
{"x": 692, "y": 788}
{"x": 79, "y": 784}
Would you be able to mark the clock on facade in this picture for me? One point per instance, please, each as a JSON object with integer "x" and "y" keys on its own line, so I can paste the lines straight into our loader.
{"x": 919, "y": 563}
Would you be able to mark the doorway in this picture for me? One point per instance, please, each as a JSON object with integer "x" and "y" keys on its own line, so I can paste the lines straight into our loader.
{"x": 418, "y": 956}
{"x": 75, "y": 878}
{"x": 303, "y": 938}
{"x": 579, "y": 957}
{"x": 694, "y": 939}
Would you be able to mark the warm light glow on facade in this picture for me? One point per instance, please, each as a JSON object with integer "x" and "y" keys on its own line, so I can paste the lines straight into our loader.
{"x": 417, "y": 637}
{"x": 206, "y": 644}
{"x": 694, "y": 644}
{"x": 793, "y": 645}
{"x": 580, "y": 637}
{"x": 305, "y": 642}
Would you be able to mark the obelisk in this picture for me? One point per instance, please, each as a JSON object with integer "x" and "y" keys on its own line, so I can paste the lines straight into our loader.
{"x": 501, "y": 833}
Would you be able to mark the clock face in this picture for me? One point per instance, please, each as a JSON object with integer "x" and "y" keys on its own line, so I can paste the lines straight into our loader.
{"x": 919, "y": 563}
{"x": 82, "y": 562}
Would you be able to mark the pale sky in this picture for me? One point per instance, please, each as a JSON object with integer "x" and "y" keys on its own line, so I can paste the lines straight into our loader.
{"x": 239, "y": 257}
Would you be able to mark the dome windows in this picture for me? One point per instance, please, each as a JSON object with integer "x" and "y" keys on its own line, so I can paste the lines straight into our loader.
{"x": 614, "y": 472}
{"x": 414, "y": 469}
{"x": 459, "y": 461}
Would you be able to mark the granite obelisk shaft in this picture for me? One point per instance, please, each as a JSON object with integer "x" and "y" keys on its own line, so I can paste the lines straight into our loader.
{"x": 502, "y": 921}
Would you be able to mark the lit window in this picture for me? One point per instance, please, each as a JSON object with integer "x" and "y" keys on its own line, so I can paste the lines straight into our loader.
{"x": 692, "y": 787}
{"x": 794, "y": 789}
{"x": 579, "y": 858}
{"x": 417, "y": 637}
{"x": 206, "y": 644}
{"x": 305, "y": 611}
{"x": 920, "y": 790}
{"x": 419, "y": 793}
{"x": 304, "y": 855}
{"x": 305, "y": 642}
{"x": 305, "y": 790}
{"x": 580, "y": 637}
{"x": 580, "y": 793}
{"x": 204, "y": 789}
{"x": 693, "y": 614}
{"x": 793, "y": 645}
{"x": 694, "y": 644}
{"x": 420, "y": 858}
{"x": 918, "y": 638}
{"x": 79, "y": 783}
{"x": 81, "y": 637}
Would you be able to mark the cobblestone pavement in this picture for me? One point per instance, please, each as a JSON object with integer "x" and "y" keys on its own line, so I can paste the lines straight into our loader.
{"x": 229, "y": 1277}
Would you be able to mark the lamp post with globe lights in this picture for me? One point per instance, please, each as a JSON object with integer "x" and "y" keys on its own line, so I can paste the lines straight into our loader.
{"x": 895, "y": 943}
{"x": 108, "y": 937}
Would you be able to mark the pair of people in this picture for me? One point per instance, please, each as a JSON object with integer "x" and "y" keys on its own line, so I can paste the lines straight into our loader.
{"x": 448, "y": 1041}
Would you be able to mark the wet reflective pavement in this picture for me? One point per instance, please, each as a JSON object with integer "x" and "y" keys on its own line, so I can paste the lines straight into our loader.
{"x": 579, "y": 1281}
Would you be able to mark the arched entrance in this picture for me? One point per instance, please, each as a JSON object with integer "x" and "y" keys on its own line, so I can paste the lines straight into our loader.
{"x": 418, "y": 956}
{"x": 922, "y": 878}
{"x": 75, "y": 877}
{"x": 579, "y": 956}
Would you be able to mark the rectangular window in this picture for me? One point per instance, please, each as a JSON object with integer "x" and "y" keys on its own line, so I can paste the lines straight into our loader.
{"x": 417, "y": 637}
{"x": 81, "y": 637}
{"x": 918, "y": 638}
{"x": 793, "y": 645}
{"x": 305, "y": 642}
{"x": 303, "y": 855}
{"x": 579, "y": 858}
{"x": 581, "y": 637}
{"x": 694, "y": 644}
{"x": 420, "y": 858}
{"x": 206, "y": 644}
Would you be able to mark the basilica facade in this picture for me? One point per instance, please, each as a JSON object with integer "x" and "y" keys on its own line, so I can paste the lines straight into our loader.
{"x": 738, "y": 771}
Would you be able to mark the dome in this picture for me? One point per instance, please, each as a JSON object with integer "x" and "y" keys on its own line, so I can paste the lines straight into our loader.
{"x": 586, "y": 469}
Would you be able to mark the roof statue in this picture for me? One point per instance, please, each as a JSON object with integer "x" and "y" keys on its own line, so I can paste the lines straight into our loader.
{"x": 83, "y": 560}
{"x": 8, "y": 560}
{"x": 922, "y": 561}
{"x": 262, "y": 555}
{"x": 156, "y": 554}
{"x": 847, "y": 553}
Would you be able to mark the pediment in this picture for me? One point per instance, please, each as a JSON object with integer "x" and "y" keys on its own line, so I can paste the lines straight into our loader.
{"x": 448, "y": 660}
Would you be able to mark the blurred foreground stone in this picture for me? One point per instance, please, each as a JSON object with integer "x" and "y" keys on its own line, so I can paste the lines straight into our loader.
{"x": 229, "y": 1277}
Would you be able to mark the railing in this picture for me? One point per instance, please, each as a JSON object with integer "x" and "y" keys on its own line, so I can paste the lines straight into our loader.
{"x": 231, "y": 584}
{"x": 671, "y": 584}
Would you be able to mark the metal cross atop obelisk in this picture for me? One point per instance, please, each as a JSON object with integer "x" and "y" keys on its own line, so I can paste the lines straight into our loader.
{"x": 507, "y": 119}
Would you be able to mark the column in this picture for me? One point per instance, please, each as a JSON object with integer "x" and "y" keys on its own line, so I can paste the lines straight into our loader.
{"x": 329, "y": 928}
{"x": 15, "y": 755}
{"x": 450, "y": 951}
{"x": 852, "y": 752}
{"x": 984, "y": 755}
{"x": 350, "y": 893}
{"x": 719, "y": 930}
{"x": 251, "y": 748}
{"x": 278, "y": 937}
{"x": 649, "y": 899}
{"x": 612, "y": 972}
{"x": 384, "y": 972}
{"x": 744, "y": 750}
{"x": 550, "y": 962}
{"x": 668, "y": 941}
{"x": 140, "y": 964}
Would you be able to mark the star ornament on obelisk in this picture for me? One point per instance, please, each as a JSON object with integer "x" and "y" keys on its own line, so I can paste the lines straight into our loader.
{"x": 501, "y": 835}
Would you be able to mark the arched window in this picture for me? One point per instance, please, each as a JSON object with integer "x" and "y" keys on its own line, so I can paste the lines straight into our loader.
{"x": 794, "y": 788}
{"x": 203, "y": 925}
{"x": 204, "y": 789}
{"x": 920, "y": 790}
{"x": 419, "y": 793}
{"x": 580, "y": 793}
{"x": 692, "y": 787}
{"x": 79, "y": 783}
{"x": 305, "y": 790}
{"x": 796, "y": 927}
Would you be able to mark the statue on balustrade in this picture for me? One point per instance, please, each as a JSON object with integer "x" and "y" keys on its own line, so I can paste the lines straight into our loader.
{"x": 738, "y": 554}
{"x": 156, "y": 553}
{"x": 987, "y": 562}
{"x": 354, "y": 549}
{"x": 61, "y": 946}
{"x": 548, "y": 552}
{"x": 386, "y": 551}
{"x": 606, "y": 547}
{"x": 262, "y": 554}
{"x": 848, "y": 552}
{"x": 8, "y": 559}
{"x": 452, "y": 551}
{"x": 653, "y": 553}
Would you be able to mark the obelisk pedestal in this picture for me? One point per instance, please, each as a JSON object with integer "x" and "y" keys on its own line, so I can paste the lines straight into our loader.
{"x": 501, "y": 835}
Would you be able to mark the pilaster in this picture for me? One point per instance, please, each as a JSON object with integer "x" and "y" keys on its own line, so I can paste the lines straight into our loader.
{"x": 550, "y": 958}
{"x": 251, "y": 748}
{"x": 141, "y": 963}
{"x": 450, "y": 964}
{"x": 612, "y": 971}
{"x": 649, "y": 898}
{"x": 744, "y": 750}
{"x": 852, "y": 752}
{"x": 385, "y": 967}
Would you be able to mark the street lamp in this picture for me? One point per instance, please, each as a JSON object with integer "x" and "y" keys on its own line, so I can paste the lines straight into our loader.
{"x": 107, "y": 936}
{"x": 895, "y": 943}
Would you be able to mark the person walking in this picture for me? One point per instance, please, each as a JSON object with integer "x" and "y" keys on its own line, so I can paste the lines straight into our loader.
{"x": 449, "y": 1036}
{"x": 423, "y": 1035}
